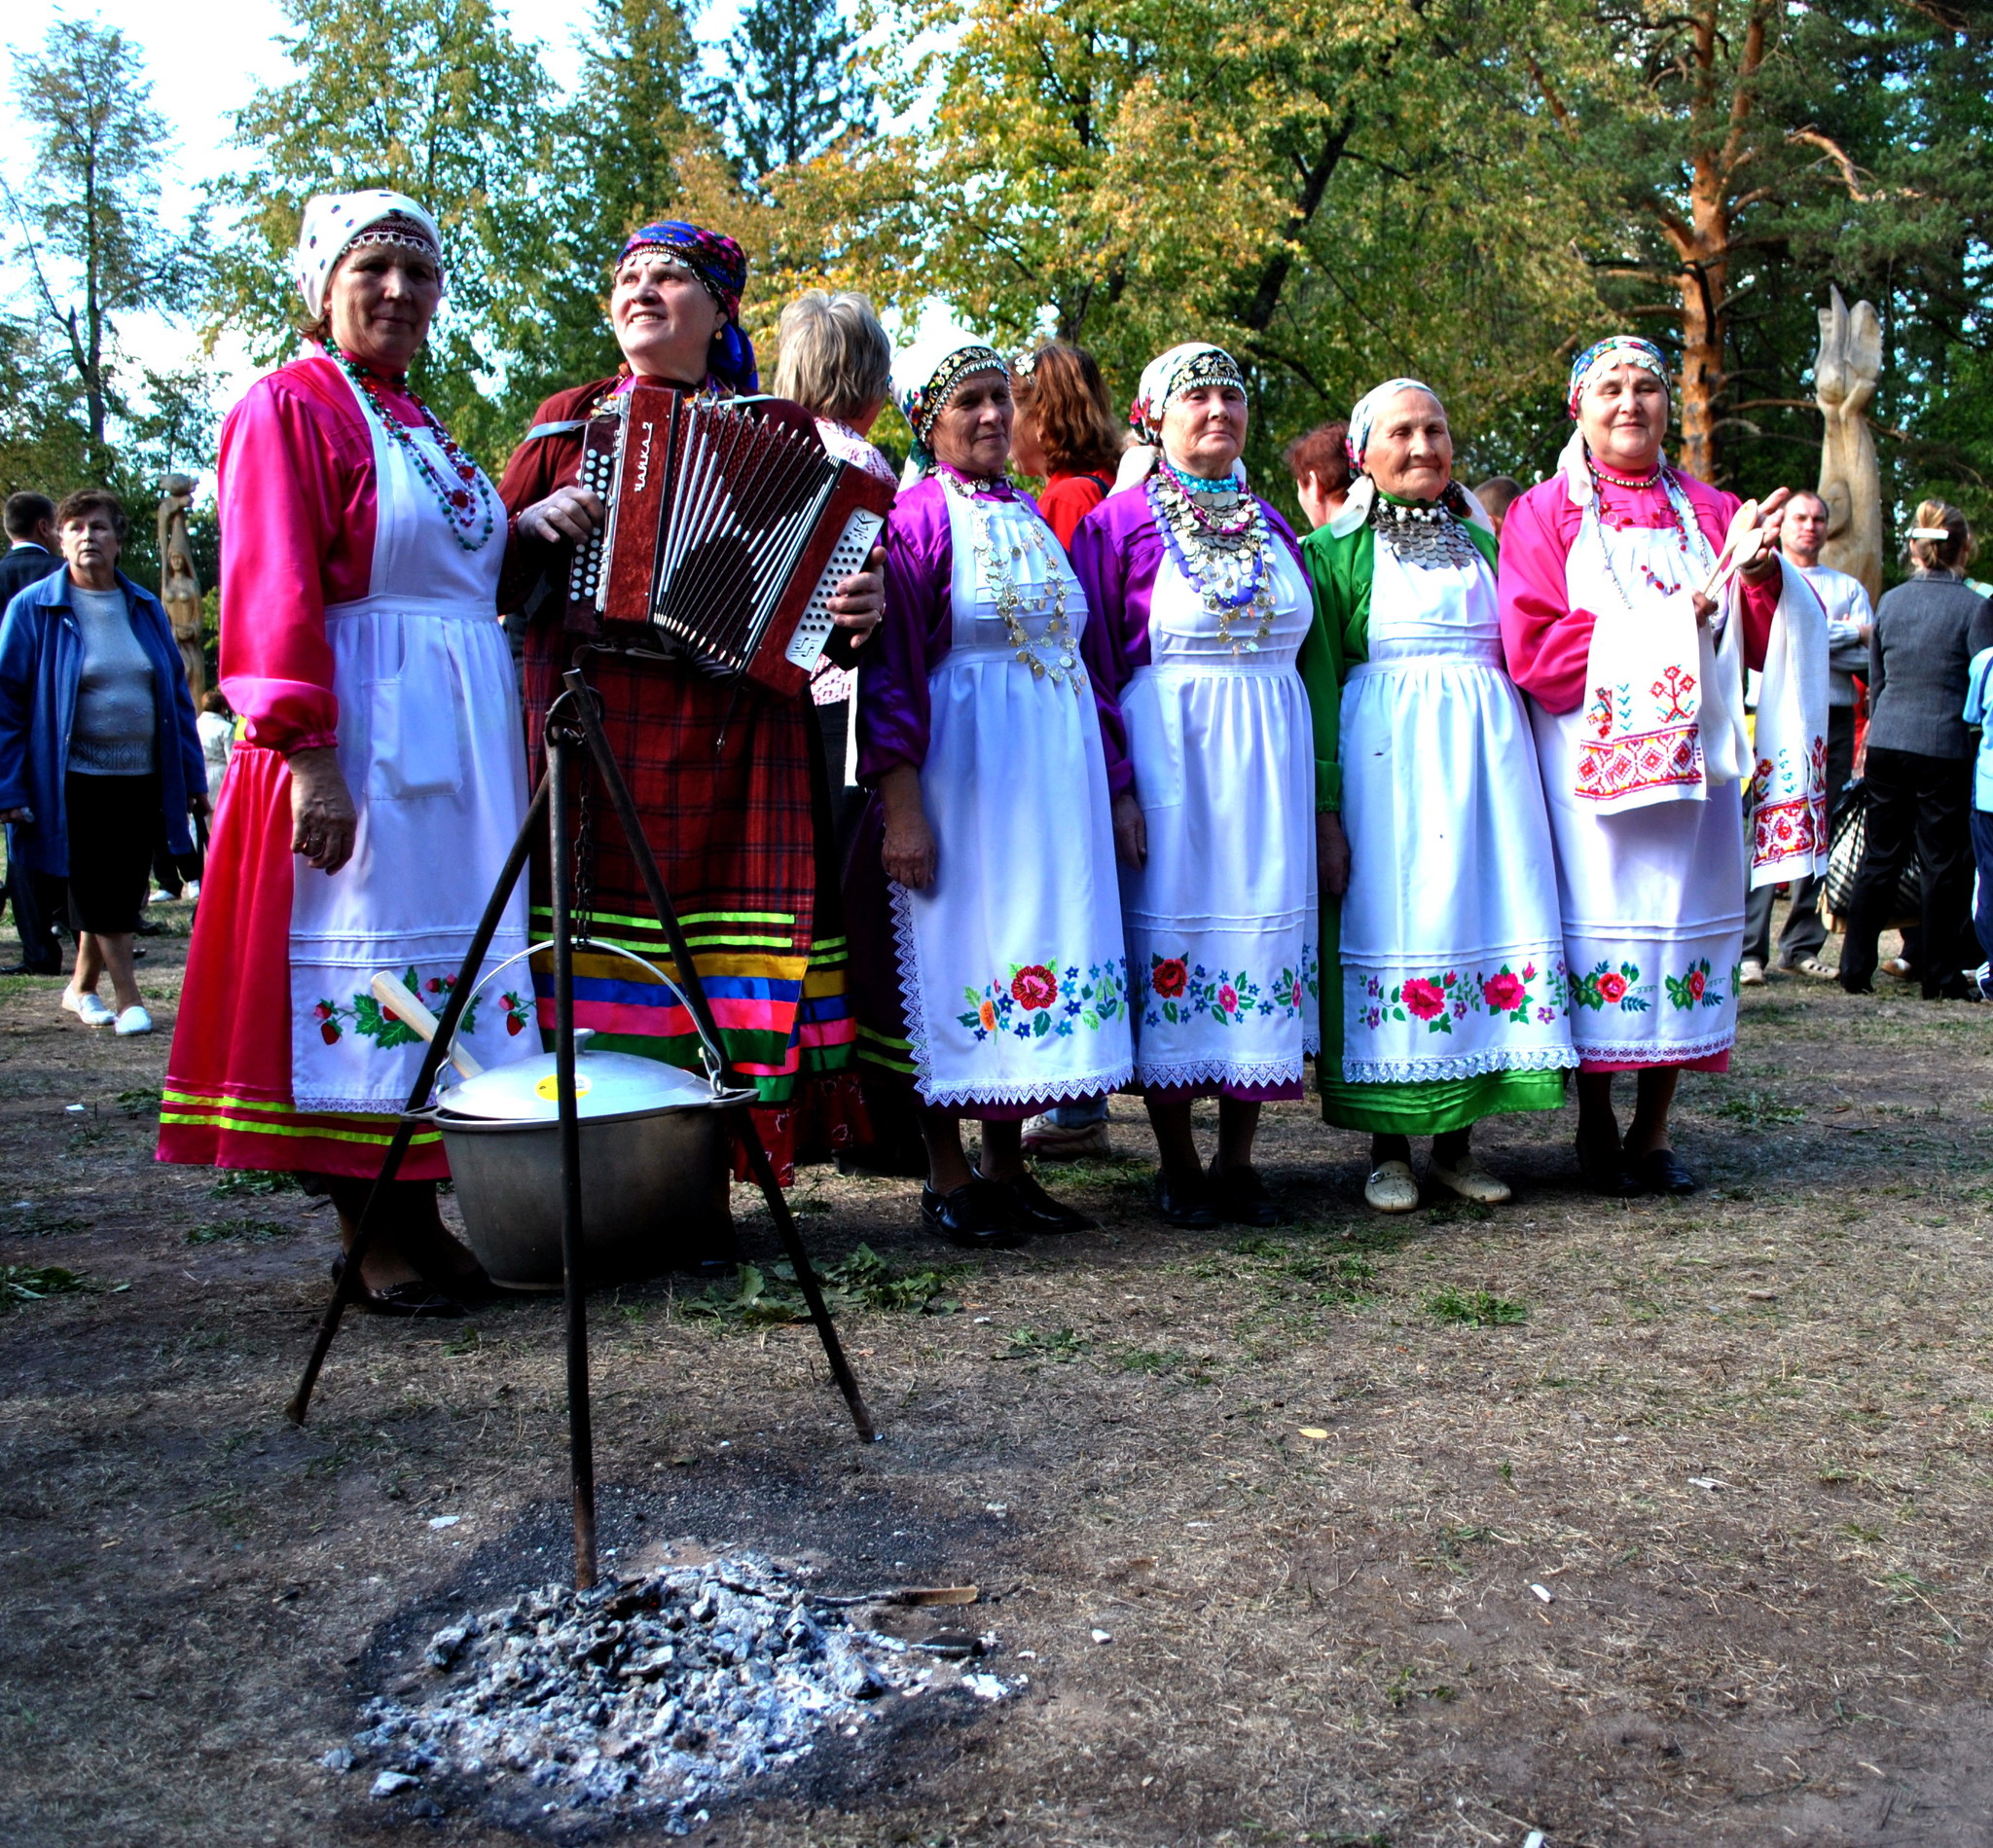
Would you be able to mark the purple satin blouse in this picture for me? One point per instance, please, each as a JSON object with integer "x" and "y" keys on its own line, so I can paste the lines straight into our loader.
{"x": 916, "y": 634}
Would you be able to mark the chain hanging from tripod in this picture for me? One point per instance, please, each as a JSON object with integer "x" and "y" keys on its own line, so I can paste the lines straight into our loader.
{"x": 583, "y": 885}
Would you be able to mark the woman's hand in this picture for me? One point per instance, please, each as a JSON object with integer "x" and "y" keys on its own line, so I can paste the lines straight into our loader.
{"x": 322, "y": 818}
{"x": 859, "y": 601}
{"x": 567, "y": 516}
{"x": 198, "y": 804}
{"x": 909, "y": 853}
{"x": 1131, "y": 830}
{"x": 1331, "y": 853}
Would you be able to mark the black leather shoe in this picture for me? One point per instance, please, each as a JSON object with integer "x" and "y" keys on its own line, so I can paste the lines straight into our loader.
{"x": 1191, "y": 1209}
{"x": 1661, "y": 1172}
{"x": 1604, "y": 1170}
{"x": 1239, "y": 1197}
{"x": 422, "y": 1299}
{"x": 26, "y": 968}
{"x": 979, "y": 1216}
{"x": 1038, "y": 1211}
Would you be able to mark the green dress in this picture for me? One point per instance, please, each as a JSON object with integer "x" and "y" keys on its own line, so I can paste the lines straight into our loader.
{"x": 1343, "y": 568}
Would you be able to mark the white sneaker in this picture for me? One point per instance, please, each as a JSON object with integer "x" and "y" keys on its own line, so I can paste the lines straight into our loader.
{"x": 1752, "y": 974}
{"x": 87, "y": 1008}
{"x": 133, "y": 1020}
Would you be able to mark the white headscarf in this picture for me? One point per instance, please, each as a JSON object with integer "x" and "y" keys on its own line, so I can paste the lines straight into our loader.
{"x": 335, "y": 221}
{"x": 1192, "y": 362}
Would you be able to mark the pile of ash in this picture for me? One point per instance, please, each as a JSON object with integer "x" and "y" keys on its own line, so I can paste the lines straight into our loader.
{"x": 650, "y": 1695}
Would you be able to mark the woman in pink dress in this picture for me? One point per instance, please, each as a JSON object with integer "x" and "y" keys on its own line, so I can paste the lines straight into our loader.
{"x": 1634, "y": 676}
{"x": 379, "y": 778}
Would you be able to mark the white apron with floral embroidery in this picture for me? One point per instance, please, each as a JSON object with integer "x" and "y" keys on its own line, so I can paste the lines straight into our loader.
{"x": 1452, "y": 948}
{"x": 1222, "y": 945}
{"x": 431, "y": 745}
{"x": 1010, "y": 962}
{"x": 1653, "y": 897}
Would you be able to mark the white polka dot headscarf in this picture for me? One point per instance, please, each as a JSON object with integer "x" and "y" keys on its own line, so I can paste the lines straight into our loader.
{"x": 335, "y": 221}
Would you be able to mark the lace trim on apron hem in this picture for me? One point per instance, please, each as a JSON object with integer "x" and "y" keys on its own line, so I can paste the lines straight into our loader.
{"x": 1016, "y": 1094}
{"x": 1658, "y": 1052}
{"x": 1474, "y": 1065}
{"x": 1224, "y": 1072}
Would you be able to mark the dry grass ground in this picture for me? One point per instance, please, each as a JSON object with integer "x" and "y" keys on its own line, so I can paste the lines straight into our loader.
{"x": 1741, "y": 1440}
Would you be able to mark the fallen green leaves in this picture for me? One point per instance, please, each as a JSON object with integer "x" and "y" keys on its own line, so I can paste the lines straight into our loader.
{"x": 35, "y": 1283}
{"x": 863, "y": 1281}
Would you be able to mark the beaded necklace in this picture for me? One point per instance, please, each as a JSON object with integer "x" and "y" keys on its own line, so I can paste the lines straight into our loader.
{"x": 993, "y": 564}
{"x": 1225, "y": 560}
{"x": 459, "y": 509}
{"x": 1624, "y": 480}
{"x": 1684, "y": 522}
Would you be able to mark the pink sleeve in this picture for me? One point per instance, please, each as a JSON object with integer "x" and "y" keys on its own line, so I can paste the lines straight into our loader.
{"x": 1548, "y": 644}
{"x": 297, "y": 518}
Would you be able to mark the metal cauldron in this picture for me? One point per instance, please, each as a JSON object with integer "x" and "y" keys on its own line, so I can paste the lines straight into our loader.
{"x": 654, "y": 1164}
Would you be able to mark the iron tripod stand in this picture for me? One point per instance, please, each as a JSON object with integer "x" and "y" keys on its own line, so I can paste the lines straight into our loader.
{"x": 573, "y": 726}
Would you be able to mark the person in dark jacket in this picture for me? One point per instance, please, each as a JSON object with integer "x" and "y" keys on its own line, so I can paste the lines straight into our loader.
{"x": 30, "y": 523}
{"x": 32, "y": 549}
{"x": 98, "y": 748}
{"x": 1920, "y": 759}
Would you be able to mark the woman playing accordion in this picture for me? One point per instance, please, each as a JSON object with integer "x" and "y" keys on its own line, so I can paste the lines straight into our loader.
{"x": 727, "y": 775}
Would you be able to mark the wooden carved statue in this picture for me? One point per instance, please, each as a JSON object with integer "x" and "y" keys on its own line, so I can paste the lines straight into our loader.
{"x": 1844, "y": 376}
{"x": 179, "y": 583}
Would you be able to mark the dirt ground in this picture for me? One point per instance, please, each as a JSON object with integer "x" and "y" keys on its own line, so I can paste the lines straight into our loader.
{"x": 1306, "y": 1484}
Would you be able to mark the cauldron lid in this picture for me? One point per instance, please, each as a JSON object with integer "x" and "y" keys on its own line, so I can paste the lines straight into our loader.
{"x": 610, "y": 1085}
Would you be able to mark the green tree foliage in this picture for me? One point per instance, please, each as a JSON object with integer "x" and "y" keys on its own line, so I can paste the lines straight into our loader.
{"x": 92, "y": 237}
{"x": 435, "y": 98}
{"x": 1340, "y": 191}
{"x": 1737, "y": 157}
{"x": 788, "y": 88}
{"x": 615, "y": 155}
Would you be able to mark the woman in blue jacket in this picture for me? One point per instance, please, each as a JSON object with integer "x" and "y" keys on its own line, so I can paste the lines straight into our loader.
{"x": 98, "y": 748}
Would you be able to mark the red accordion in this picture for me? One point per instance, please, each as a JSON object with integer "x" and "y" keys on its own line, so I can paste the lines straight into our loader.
{"x": 726, "y": 535}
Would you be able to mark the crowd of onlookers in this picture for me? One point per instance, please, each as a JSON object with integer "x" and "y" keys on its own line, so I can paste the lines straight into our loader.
{"x": 107, "y": 773}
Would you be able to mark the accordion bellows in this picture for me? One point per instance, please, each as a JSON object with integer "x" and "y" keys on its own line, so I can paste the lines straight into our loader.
{"x": 725, "y": 536}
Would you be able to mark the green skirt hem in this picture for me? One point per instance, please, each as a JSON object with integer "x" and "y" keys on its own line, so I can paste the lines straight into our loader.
{"x": 1432, "y": 1106}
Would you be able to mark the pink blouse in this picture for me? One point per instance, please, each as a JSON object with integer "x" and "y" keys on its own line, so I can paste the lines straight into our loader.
{"x": 296, "y": 507}
{"x": 1547, "y": 642}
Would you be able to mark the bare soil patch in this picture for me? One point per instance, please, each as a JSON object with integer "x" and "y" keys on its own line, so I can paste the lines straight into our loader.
{"x": 1741, "y": 1440}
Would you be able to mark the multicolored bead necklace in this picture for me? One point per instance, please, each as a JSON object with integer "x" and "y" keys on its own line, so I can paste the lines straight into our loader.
{"x": 1225, "y": 560}
{"x": 458, "y": 506}
{"x": 995, "y": 565}
{"x": 1684, "y": 516}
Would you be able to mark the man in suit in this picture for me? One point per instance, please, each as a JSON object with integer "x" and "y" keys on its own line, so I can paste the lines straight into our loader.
{"x": 33, "y": 553}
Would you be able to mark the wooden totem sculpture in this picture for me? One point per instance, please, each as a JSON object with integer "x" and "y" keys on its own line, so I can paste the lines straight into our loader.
{"x": 1844, "y": 376}
{"x": 179, "y": 583}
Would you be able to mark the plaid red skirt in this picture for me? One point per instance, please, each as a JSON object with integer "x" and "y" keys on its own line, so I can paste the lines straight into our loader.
{"x": 730, "y": 784}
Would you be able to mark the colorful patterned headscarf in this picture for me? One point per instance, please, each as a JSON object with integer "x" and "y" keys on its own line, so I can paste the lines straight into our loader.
{"x": 1363, "y": 418}
{"x": 1168, "y": 376}
{"x": 721, "y": 267}
{"x": 335, "y": 221}
{"x": 928, "y": 376}
{"x": 1617, "y": 349}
